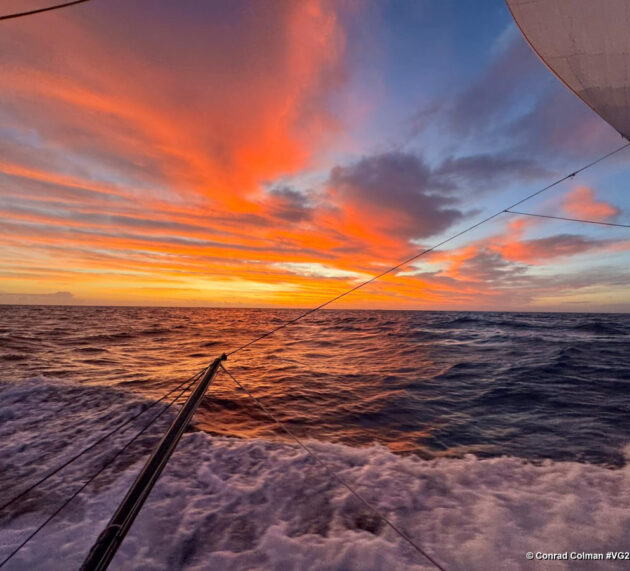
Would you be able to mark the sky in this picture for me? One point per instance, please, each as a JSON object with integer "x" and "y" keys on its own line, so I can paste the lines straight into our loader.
{"x": 274, "y": 154}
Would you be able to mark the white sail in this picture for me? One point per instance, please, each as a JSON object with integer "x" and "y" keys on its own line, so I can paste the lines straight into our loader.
{"x": 586, "y": 43}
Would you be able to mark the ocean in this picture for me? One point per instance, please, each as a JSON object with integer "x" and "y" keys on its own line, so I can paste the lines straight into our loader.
{"x": 483, "y": 436}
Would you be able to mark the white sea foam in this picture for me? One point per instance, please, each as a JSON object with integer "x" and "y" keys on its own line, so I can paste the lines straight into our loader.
{"x": 225, "y": 503}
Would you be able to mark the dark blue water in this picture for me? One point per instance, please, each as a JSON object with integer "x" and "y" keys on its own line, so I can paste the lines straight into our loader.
{"x": 532, "y": 385}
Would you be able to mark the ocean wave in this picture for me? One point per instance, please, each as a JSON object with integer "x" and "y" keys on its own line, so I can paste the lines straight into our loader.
{"x": 157, "y": 331}
{"x": 531, "y": 323}
{"x": 230, "y": 503}
{"x": 91, "y": 350}
{"x": 13, "y": 357}
{"x": 104, "y": 337}
{"x": 599, "y": 328}
{"x": 460, "y": 321}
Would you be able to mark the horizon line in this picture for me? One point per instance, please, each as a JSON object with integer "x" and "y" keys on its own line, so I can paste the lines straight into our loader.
{"x": 90, "y": 305}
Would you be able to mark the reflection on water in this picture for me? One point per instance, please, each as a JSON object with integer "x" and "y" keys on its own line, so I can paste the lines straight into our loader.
{"x": 431, "y": 383}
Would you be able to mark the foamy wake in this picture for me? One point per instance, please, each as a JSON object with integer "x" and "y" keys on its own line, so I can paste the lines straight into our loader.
{"x": 225, "y": 503}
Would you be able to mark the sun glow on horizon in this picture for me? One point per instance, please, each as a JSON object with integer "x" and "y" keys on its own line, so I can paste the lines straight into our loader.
{"x": 255, "y": 154}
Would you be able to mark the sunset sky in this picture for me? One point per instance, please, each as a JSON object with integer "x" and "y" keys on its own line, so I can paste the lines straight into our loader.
{"x": 228, "y": 153}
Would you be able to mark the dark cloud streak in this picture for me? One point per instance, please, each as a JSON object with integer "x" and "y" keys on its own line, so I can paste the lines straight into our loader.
{"x": 403, "y": 188}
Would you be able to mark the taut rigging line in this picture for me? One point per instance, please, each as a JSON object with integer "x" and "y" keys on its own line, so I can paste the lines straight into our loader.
{"x": 40, "y": 10}
{"x": 428, "y": 250}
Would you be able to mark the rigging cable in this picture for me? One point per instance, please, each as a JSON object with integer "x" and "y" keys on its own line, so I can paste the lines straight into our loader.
{"x": 336, "y": 476}
{"x": 40, "y": 10}
{"x": 96, "y": 443}
{"x": 426, "y": 251}
{"x": 374, "y": 278}
{"x": 100, "y": 470}
{"x": 507, "y": 210}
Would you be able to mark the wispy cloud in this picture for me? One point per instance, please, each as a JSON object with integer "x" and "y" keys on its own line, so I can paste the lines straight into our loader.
{"x": 316, "y": 270}
{"x": 210, "y": 153}
{"x": 581, "y": 203}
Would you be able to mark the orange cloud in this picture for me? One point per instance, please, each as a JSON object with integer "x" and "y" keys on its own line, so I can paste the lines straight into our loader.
{"x": 215, "y": 109}
{"x": 581, "y": 203}
{"x": 148, "y": 149}
{"x": 151, "y": 165}
{"x": 541, "y": 250}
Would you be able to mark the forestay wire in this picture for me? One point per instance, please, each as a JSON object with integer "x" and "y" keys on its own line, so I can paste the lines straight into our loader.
{"x": 41, "y": 10}
{"x": 190, "y": 383}
{"x": 428, "y": 250}
{"x": 270, "y": 414}
{"x": 97, "y": 442}
{"x": 195, "y": 377}
{"x": 567, "y": 219}
{"x": 336, "y": 476}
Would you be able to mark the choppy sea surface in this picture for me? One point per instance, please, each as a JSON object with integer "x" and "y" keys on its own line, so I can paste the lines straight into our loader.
{"x": 482, "y": 435}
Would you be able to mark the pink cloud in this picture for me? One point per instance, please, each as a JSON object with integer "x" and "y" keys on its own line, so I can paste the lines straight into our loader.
{"x": 581, "y": 203}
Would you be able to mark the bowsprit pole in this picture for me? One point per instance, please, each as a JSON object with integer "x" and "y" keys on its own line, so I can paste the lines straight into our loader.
{"x": 111, "y": 537}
